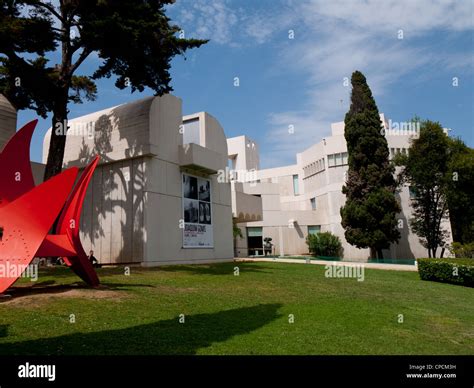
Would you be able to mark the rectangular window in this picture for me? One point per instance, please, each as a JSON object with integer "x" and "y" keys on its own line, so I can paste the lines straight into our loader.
{"x": 412, "y": 192}
{"x": 338, "y": 159}
{"x": 344, "y": 158}
{"x": 296, "y": 189}
{"x": 191, "y": 132}
{"x": 313, "y": 203}
{"x": 314, "y": 229}
{"x": 254, "y": 232}
{"x": 331, "y": 160}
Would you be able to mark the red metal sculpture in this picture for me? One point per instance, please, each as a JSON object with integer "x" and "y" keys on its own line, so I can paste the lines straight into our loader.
{"x": 27, "y": 213}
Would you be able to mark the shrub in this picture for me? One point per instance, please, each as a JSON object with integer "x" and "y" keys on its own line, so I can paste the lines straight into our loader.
{"x": 462, "y": 250}
{"x": 454, "y": 271}
{"x": 324, "y": 244}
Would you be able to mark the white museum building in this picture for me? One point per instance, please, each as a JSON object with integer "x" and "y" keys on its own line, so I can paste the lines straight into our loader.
{"x": 293, "y": 201}
{"x": 168, "y": 186}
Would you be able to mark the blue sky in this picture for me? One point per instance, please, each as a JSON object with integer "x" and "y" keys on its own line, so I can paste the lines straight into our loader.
{"x": 300, "y": 81}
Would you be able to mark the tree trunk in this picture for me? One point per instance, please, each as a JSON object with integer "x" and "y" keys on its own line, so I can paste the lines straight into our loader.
{"x": 57, "y": 143}
{"x": 379, "y": 254}
{"x": 373, "y": 253}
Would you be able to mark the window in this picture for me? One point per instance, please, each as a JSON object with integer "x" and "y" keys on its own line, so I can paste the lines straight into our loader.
{"x": 296, "y": 189}
{"x": 344, "y": 158}
{"x": 338, "y": 159}
{"x": 331, "y": 160}
{"x": 314, "y": 229}
{"x": 254, "y": 232}
{"x": 191, "y": 132}
{"x": 313, "y": 203}
{"x": 412, "y": 192}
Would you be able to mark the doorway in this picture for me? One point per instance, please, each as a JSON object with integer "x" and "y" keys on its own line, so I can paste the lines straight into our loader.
{"x": 255, "y": 241}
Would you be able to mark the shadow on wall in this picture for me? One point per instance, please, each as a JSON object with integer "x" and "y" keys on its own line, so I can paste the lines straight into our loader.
{"x": 165, "y": 337}
{"x": 298, "y": 229}
{"x": 402, "y": 248}
{"x": 121, "y": 192}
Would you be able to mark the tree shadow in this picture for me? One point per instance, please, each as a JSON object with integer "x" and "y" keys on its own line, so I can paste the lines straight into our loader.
{"x": 4, "y": 331}
{"x": 205, "y": 269}
{"x": 50, "y": 288}
{"x": 402, "y": 247}
{"x": 115, "y": 194}
{"x": 166, "y": 337}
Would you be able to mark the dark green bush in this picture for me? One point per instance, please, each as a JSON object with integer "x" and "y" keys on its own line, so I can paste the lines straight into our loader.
{"x": 454, "y": 271}
{"x": 324, "y": 244}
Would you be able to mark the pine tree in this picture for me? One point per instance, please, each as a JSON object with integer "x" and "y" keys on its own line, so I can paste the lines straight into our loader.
{"x": 369, "y": 214}
{"x": 134, "y": 41}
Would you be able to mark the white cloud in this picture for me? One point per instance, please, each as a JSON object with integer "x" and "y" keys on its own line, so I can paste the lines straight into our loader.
{"x": 332, "y": 39}
{"x": 343, "y": 36}
{"x": 224, "y": 23}
{"x": 390, "y": 15}
{"x": 213, "y": 19}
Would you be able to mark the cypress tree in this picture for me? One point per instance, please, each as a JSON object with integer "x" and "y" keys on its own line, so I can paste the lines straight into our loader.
{"x": 369, "y": 214}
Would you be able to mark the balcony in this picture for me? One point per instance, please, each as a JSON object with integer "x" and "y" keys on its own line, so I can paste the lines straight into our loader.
{"x": 200, "y": 159}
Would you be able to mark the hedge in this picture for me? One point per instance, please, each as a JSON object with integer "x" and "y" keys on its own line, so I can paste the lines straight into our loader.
{"x": 324, "y": 244}
{"x": 454, "y": 271}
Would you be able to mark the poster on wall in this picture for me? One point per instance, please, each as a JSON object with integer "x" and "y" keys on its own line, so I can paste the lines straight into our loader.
{"x": 197, "y": 211}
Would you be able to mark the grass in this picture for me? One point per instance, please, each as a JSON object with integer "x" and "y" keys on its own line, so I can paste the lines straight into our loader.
{"x": 245, "y": 314}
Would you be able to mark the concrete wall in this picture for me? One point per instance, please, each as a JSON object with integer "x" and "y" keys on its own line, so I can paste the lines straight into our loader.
{"x": 286, "y": 216}
{"x": 7, "y": 120}
{"x": 244, "y": 153}
{"x": 133, "y": 207}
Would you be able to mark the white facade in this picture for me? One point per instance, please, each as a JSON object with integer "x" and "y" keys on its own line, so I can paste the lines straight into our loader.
{"x": 307, "y": 197}
{"x": 133, "y": 211}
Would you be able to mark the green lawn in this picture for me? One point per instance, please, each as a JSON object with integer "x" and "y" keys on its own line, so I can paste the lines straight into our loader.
{"x": 246, "y": 314}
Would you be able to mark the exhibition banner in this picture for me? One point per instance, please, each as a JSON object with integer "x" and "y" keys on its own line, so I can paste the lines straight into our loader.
{"x": 197, "y": 212}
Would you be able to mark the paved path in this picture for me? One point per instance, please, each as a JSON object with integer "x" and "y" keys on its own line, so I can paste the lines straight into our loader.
{"x": 394, "y": 267}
